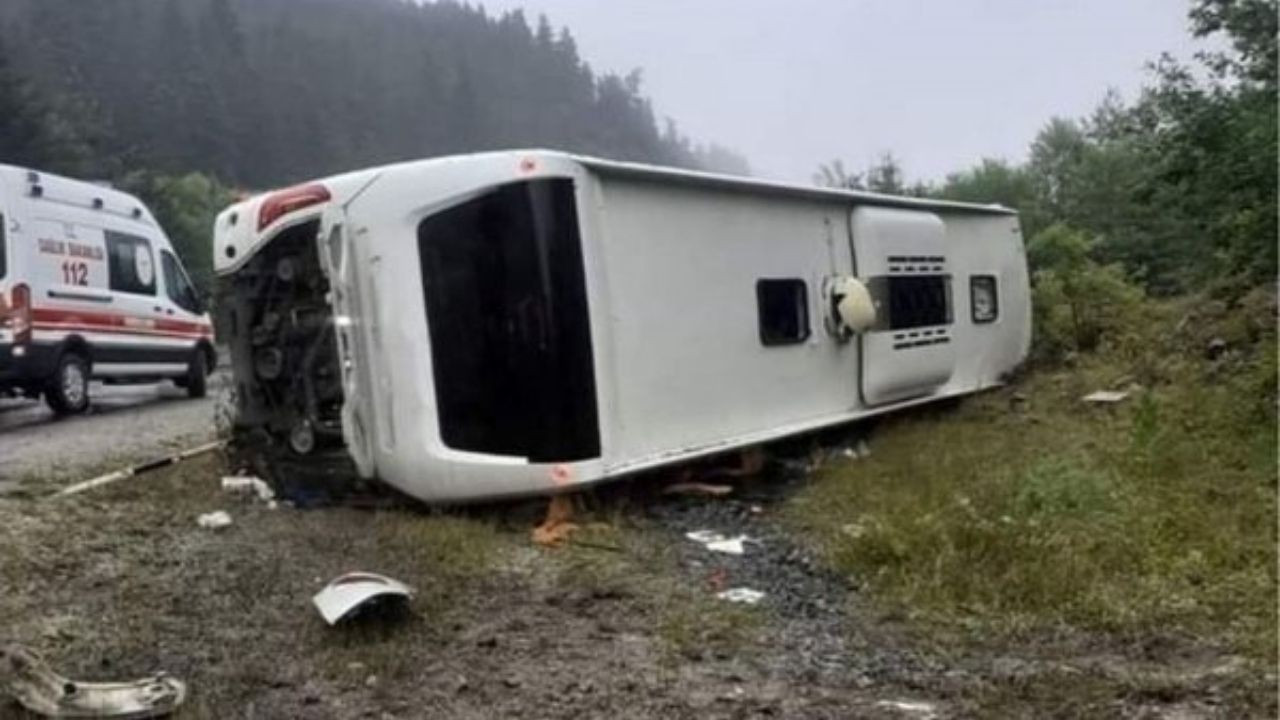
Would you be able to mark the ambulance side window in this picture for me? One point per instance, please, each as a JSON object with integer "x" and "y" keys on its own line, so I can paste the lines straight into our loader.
{"x": 130, "y": 264}
{"x": 176, "y": 284}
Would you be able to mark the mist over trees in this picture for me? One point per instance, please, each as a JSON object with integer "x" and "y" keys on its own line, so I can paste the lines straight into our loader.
{"x": 1174, "y": 192}
{"x": 263, "y": 92}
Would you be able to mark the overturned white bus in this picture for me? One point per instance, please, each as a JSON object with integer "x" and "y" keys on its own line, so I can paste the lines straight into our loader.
{"x": 521, "y": 322}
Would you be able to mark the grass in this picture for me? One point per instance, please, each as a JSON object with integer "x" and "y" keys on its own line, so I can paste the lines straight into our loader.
{"x": 688, "y": 622}
{"x": 1027, "y": 510}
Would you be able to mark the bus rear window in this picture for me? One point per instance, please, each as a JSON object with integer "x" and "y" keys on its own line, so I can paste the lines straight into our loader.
{"x": 506, "y": 304}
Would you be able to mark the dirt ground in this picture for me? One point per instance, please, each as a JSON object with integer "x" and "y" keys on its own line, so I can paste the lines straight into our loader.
{"x": 622, "y": 623}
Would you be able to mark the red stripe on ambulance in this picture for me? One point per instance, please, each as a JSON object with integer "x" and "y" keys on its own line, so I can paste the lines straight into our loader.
{"x": 110, "y": 322}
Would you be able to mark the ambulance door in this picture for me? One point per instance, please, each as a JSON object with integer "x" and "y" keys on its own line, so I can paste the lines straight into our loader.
{"x": 136, "y": 345}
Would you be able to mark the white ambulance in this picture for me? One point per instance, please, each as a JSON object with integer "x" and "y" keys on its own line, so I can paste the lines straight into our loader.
{"x": 90, "y": 288}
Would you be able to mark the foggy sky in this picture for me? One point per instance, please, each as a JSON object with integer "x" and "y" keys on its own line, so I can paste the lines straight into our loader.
{"x": 940, "y": 83}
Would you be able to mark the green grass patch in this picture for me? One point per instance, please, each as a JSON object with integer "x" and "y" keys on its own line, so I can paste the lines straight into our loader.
{"x": 1158, "y": 514}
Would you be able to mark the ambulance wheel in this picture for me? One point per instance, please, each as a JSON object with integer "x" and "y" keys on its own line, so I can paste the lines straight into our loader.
{"x": 195, "y": 381}
{"x": 68, "y": 390}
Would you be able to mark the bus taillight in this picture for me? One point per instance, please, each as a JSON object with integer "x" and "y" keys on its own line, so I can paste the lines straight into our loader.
{"x": 279, "y": 204}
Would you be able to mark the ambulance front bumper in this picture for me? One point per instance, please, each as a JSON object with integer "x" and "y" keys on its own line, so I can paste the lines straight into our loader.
{"x": 25, "y": 364}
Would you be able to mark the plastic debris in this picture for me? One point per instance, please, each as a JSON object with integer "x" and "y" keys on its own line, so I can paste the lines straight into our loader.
{"x": 30, "y": 680}
{"x": 215, "y": 520}
{"x": 556, "y": 528}
{"x": 1106, "y": 397}
{"x": 358, "y": 591}
{"x": 1215, "y": 348}
{"x": 249, "y": 484}
{"x": 912, "y": 708}
{"x": 744, "y": 595}
{"x": 716, "y": 542}
{"x": 697, "y": 489}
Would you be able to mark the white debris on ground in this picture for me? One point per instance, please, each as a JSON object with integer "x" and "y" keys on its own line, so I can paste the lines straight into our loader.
{"x": 1106, "y": 397}
{"x": 214, "y": 520}
{"x": 697, "y": 489}
{"x": 715, "y": 542}
{"x": 32, "y": 682}
{"x": 348, "y": 593}
{"x": 249, "y": 484}
{"x": 857, "y": 451}
{"x": 911, "y": 708}
{"x": 741, "y": 595}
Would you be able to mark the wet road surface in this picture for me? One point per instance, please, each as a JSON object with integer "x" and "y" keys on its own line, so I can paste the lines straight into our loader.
{"x": 124, "y": 425}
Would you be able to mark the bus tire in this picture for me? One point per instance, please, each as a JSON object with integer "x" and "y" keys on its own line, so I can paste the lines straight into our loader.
{"x": 67, "y": 392}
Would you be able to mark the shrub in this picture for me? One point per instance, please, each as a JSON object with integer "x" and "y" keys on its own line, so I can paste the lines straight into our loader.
{"x": 1077, "y": 303}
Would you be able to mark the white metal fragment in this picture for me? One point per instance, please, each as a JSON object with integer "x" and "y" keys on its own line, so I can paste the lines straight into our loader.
{"x": 1106, "y": 397}
{"x": 30, "y": 680}
{"x": 215, "y": 520}
{"x": 346, "y": 593}
{"x": 744, "y": 595}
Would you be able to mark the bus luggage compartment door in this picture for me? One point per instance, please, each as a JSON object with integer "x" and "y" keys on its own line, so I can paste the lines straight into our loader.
{"x": 901, "y": 255}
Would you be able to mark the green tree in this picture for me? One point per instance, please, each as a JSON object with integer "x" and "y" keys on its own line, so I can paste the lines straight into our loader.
{"x": 33, "y": 131}
{"x": 1078, "y": 304}
{"x": 886, "y": 176}
{"x": 834, "y": 175}
{"x": 185, "y": 206}
{"x": 996, "y": 181}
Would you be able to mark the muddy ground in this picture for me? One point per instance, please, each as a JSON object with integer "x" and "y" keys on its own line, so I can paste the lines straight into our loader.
{"x": 621, "y": 623}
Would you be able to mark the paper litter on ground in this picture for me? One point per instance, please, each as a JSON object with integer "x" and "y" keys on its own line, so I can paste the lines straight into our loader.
{"x": 717, "y": 542}
{"x": 741, "y": 595}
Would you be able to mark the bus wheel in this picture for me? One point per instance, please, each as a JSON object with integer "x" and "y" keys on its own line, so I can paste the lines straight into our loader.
{"x": 68, "y": 390}
{"x": 197, "y": 375}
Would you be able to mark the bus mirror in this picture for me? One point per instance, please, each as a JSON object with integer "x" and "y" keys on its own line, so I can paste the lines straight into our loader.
{"x": 853, "y": 304}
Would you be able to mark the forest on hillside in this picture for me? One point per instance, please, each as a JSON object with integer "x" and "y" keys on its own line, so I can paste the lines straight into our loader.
{"x": 183, "y": 102}
{"x": 258, "y": 93}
